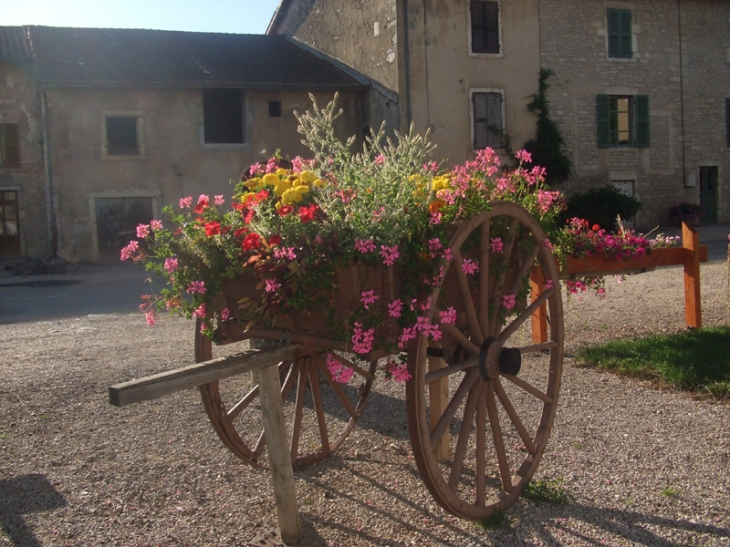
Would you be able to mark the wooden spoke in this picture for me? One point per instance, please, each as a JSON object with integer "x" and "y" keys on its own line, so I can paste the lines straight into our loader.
{"x": 525, "y": 270}
{"x": 301, "y": 394}
{"x": 484, "y": 250}
{"x": 241, "y": 405}
{"x": 452, "y": 369}
{"x": 353, "y": 366}
{"x": 500, "y": 278}
{"x": 463, "y": 440}
{"x": 498, "y": 440}
{"x": 539, "y": 347}
{"x": 528, "y": 388}
{"x": 461, "y": 338}
{"x": 338, "y": 391}
{"x": 319, "y": 408}
{"x": 471, "y": 315}
{"x": 443, "y": 424}
{"x": 517, "y": 323}
{"x": 481, "y": 447}
{"x": 512, "y": 413}
{"x": 289, "y": 381}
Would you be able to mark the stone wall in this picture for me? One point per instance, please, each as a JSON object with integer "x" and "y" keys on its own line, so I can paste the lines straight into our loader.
{"x": 686, "y": 87}
{"x": 19, "y": 103}
{"x": 176, "y": 160}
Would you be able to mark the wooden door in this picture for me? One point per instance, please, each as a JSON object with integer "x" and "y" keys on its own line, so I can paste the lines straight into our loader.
{"x": 708, "y": 194}
{"x": 116, "y": 223}
{"x": 9, "y": 223}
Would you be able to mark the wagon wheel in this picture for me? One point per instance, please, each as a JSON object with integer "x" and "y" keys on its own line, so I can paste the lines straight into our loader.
{"x": 481, "y": 405}
{"x": 320, "y": 412}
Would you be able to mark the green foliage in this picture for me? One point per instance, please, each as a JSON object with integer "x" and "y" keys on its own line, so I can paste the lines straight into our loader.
{"x": 551, "y": 491}
{"x": 548, "y": 146}
{"x": 601, "y": 206}
{"x": 669, "y": 492}
{"x": 694, "y": 360}
{"x": 495, "y": 521}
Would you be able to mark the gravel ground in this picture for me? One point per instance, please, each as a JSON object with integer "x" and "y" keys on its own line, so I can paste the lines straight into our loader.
{"x": 75, "y": 471}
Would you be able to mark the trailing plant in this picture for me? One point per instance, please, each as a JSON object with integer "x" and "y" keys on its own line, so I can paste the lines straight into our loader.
{"x": 548, "y": 147}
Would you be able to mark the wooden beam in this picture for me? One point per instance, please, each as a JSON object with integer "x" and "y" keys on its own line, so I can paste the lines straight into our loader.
{"x": 692, "y": 259}
{"x": 601, "y": 265}
{"x": 539, "y": 318}
{"x": 280, "y": 463}
{"x": 172, "y": 381}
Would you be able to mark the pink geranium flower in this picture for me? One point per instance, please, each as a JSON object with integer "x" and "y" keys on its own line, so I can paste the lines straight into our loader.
{"x": 196, "y": 287}
{"x": 509, "y": 301}
{"x": 496, "y": 244}
{"x": 469, "y": 266}
{"x": 171, "y": 264}
{"x": 219, "y": 200}
{"x": 367, "y": 298}
{"x": 129, "y": 251}
{"x": 448, "y": 316}
{"x": 156, "y": 225}
{"x": 340, "y": 373}
{"x": 389, "y": 254}
{"x": 272, "y": 285}
{"x": 364, "y": 245}
{"x": 395, "y": 308}
{"x": 186, "y": 203}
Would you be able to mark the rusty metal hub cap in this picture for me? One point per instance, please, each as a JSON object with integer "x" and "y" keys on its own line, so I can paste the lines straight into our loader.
{"x": 494, "y": 359}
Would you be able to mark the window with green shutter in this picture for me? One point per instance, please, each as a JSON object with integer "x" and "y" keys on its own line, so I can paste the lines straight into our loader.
{"x": 623, "y": 120}
{"x": 619, "y": 33}
{"x": 484, "y": 26}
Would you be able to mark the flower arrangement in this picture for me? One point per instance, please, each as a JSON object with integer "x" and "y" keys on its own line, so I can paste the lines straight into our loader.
{"x": 684, "y": 212}
{"x": 294, "y": 229}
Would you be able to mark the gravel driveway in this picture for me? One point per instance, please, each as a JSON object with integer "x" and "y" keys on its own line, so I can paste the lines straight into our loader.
{"x": 641, "y": 466}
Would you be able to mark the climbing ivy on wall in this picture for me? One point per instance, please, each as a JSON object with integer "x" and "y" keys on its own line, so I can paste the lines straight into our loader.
{"x": 548, "y": 146}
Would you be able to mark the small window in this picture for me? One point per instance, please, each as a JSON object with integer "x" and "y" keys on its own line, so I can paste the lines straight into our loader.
{"x": 623, "y": 120}
{"x": 619, "y": 33}
{"x": 274, "y": 109}
{"x": 487, "y": 124}
{"x": 484, "y": 26}
{"x": 223, "y": 116}
{"x": 121, "y": 136}
{"x": 10, "y": 145}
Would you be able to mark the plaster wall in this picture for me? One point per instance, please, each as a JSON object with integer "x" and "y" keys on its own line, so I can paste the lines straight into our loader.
{"x": 20, "y": 103}
{"x": 686, "y": 89}
{"x": 175, "y": 161}
{"x": 442, "y": 72}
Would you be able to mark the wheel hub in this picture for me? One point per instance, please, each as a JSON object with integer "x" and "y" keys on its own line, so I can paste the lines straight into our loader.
{"x": 494, "y": 359}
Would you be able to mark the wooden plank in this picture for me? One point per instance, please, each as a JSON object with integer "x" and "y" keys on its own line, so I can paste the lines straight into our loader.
{"x": 692, "y": 302}
{"x": 439, "y": 398}
{"x": 600, "y": 265}
{"x": 280, "y": 463}
{"x": 172, "y": 381}
{"x": 540, "y": 317}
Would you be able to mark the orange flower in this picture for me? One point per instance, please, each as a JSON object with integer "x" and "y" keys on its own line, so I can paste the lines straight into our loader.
{"x": 435, "y": 206}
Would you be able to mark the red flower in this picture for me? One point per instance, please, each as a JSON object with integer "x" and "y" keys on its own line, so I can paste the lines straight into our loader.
{"x": 285, "y": 210}
{"x": 212, "y": 228}
{"x": 596, "y": 227}
{"x": 248, "y": 217}
{"x": 238, "y": 206}
{"x": 203, "y": 202}
{"x": 240, "y": 232}
{"x": 307, "y": 214}
{"x": 252, "y": 241}
{"x": 274, "y": 240}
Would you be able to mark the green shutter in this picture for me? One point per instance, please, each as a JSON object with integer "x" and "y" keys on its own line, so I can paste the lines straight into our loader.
{"x": 619, "y": 33}
{"x": 642, "y": 121}
{"x": 727, "y": 121}
{"x": 604, "y": 125}
{"x": 11, "y": 145}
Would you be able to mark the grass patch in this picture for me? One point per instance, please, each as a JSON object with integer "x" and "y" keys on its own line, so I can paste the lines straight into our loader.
{"x": 546, "y": 491}
{"x": 497, "y": 520}
{"x": 669, "y": 492}
{"x": 693, "y": 360}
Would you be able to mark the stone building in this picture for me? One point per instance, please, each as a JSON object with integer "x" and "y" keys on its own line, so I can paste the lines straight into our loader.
{"x": 137, "y": 119}
{"x": 639, "y": 88}
{"x": 24, "y": 211}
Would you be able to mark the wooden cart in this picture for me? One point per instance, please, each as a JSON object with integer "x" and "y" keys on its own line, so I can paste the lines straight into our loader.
{"x": 481, "y": 400}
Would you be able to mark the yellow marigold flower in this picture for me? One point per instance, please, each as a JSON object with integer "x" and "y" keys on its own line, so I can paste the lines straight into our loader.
{"x": 283, "y": 172}
{"x": 247, "y": 196}
{"x": 319, "y": 183}
{"x": 271, "y": 179}
{"x": 254, "y": 184}
{"x": 308, "y": 177}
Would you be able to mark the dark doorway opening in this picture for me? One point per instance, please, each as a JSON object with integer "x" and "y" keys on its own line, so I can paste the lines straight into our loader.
{"x": 708, "y": 194}
{"x": 116, "y": 223}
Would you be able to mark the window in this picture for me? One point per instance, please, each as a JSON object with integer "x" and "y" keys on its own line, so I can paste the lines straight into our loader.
{"x": 274, "y": 109}
{"x": 487, "y": 127}
{"x": 484, "y": 26}
{"x": 121, "y": 136}
{"x": 727, "y": 121}
{"x": 10, "y": 145}
{"x": 623, "y": 120}
{"x": 9, "y": 229}
{"x": 619, "y": 33}
{"x": 223, "y": 116}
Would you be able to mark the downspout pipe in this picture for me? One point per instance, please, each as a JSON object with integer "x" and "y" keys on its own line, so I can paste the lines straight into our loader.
{"x": 407, "y": 65}
{"x": 681, "y": 94}
{"x": 51, "y": 214}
